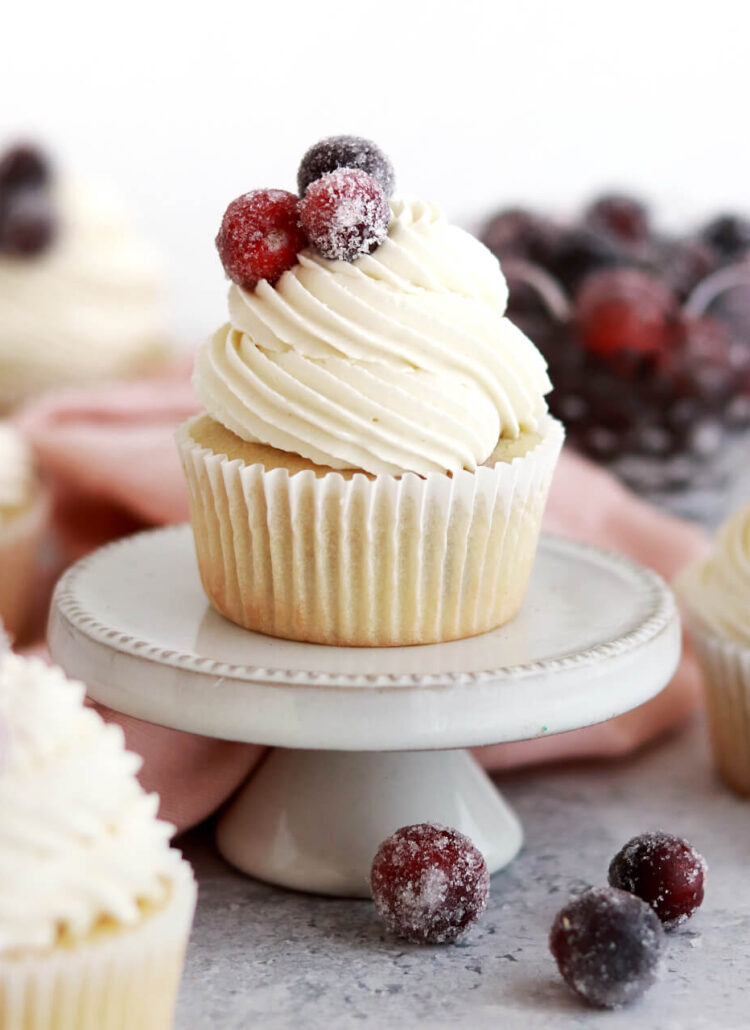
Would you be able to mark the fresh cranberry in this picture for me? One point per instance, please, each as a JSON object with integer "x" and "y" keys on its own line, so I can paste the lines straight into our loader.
{"x": 729, "y": 235}
{"x": 27, "y": 223}
{"x": 429, "y": 883}
{"x": 578, "y": 253}
{"x": 622, "y": 217}
{"x": 625, "y": 310}
{"x": 607, "y": 945}
{"x": 345, "y": 152}
{"x": 519, "y": 233}
{"x": 260, "y": 237}
{"x": 665, "y": 871}
{"x": 345, "y": 214}
{"x": 685, "y": 262}
{"x": 23, "y": 167}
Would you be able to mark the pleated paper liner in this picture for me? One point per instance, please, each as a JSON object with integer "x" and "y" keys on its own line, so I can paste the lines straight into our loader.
{"x": 121, "y": 979}
{"x": 366, "y": 560}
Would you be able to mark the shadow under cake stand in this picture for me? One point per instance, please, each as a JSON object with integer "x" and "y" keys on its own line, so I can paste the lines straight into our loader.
{"x": 368, "y": 739}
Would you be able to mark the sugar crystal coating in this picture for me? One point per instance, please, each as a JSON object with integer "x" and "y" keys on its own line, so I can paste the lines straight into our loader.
{"x": 665, "y": 871}
{"x": 607, "y": 945}
{"x": 429, "y": 883}
{"x": 260, "y": 237}
{"x": 345, "y": 214}
{"x": 345, "y": 152}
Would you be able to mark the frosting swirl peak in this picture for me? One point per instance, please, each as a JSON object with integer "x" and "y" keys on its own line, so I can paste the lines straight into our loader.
{"x": 401, "y": 361}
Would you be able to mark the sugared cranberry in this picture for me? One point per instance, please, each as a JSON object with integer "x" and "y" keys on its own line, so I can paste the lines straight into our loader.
{"x": 345, "y": 152}
{"x": 23, "y": 167}
{"x": 579, "y": 252}
{"x": 260, "y": 237}
{"x": 665, "y": 871}
{"x": 517, "y": 232}
{"x": 685, "y": 262}
{"x": 622, "y": 217}
{"x": 27, "y": 223}
{"x": 729, "y": 235}
{"x": 429, "y": 883}
{"x": 345, "y": 214}
{"x": 625, "y": 310}
{"x": 607, "y": 945}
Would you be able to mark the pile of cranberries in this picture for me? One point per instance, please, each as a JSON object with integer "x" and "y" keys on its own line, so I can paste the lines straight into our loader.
{"x": 27, "y": 218}
{"x": 341, "y": 211}
{"x": 430, "y": 884}
{"x": 647, "y": 336}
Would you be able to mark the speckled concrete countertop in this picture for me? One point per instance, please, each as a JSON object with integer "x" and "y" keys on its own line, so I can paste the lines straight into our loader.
{"x": 265, "y": 957}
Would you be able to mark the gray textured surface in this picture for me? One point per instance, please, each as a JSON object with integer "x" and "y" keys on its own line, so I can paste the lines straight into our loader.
{"x": 265, "y": 957}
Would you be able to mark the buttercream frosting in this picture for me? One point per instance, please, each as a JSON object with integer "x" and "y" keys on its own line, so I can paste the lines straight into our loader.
{"x": 718, "y": 589}
{"x": 79, "y": 838}
{"x": 89, "y": 306}
{"x": 399, "y": 361}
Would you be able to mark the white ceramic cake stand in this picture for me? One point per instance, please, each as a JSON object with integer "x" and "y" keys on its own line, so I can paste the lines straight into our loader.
{"x": 367, "y": 733}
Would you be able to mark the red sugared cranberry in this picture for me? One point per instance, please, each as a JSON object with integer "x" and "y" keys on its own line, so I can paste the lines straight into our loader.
{"x": 729, "y": 234}
{"x": 345, "y": 214}
{"x": 27, "y": 222}
{"x": 260, "y": 237}
{"x": 622, "y": 217}
{"x": 429, "y": 883}
{"x": 23, "y": 167}
{"x": 607, "y": 945}
{"x": 665, "y": 871}
{"x": 624, "y": 309}
{"x": 345, "y": 152}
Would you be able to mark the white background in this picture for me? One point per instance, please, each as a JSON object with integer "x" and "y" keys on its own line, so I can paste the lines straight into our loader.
{"x": 185, "y": 105}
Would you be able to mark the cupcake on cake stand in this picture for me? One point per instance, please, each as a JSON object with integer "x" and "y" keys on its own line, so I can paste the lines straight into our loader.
{"x": 365, "y": 739}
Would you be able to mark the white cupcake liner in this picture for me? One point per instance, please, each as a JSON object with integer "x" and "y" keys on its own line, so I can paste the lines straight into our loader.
{"x": 19, "y": 550}
{"x": 367, "y": 561}
{"x": 126, "y": 979}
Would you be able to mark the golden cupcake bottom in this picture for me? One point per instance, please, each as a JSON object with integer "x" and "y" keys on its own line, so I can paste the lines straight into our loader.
{"x": 118, "y": 978}
{"x": 294, "y": 550}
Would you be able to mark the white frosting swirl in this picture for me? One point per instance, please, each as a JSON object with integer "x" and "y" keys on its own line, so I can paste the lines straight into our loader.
{"x": 90, "y": 306}
{"x": 718, "y": 589}
{"x": 16, "y": 475}
{"x": 400, "y": 361}
{"x": 79, "y": 838}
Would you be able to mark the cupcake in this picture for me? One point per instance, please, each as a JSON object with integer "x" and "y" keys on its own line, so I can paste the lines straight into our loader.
{"x": 81, "y": 297}
{"x": 95, "y": 907}
{"x": 715, "y": 595}
{"x": 375, "y": 455}
{"x": 23, "y": 517}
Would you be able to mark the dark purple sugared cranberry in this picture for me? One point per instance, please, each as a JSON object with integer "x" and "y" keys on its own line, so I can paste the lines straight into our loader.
{"x": 579, "y": 252}
{"x": 23, "y": 167}
{"x": 27, "y": 223}
{"x": 345, "y": 214}
{"x": 519, "y": 233}
{"x": 622, "y": 217}
{"x": 729, "y": 235}
{"x": 429, "y": 883}
{"x": 260, "y": 237}
{"x": 345, "y": 152}
{"x": 665, "y": 871}
{"x": 685, "y": 262}
{"x": 607, "y": 945}
{"x": 625, "y": 310}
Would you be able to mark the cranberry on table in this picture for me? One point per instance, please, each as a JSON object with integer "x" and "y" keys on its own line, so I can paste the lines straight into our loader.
{"x": 579, "y": 252}
{"x": 608, "y": 946}
{"x": 685, "y": 262}
{"x": 624, "y": 218}
{"x": 519, "y": 233}
{"x": 260, "y": 237}
{"x": 729, "y": 235}
{"x": 665, "y": 871}
{"x": 345, "y": 152}
{"x": 429, "y": 883}
{"x": 22, "y": 167}
{"x": 345, "y": 214}
{"x": 625, "y": 309}
{"x": 27, "y": 223}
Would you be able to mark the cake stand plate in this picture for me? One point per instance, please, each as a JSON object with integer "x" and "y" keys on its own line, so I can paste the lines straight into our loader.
{"x": 367, "y": 733}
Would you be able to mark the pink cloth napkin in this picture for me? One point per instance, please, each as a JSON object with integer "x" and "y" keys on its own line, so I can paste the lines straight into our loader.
{"x": 111, "y": 460}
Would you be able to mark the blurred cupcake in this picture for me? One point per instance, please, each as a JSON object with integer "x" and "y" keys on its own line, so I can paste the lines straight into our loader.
{"x": 376, "y": 453}
{"x": 95, "y": 907}
{"x": 715, "y": 594}
{"x": 23, "y": 517}
{"x": 81, "y": 297}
